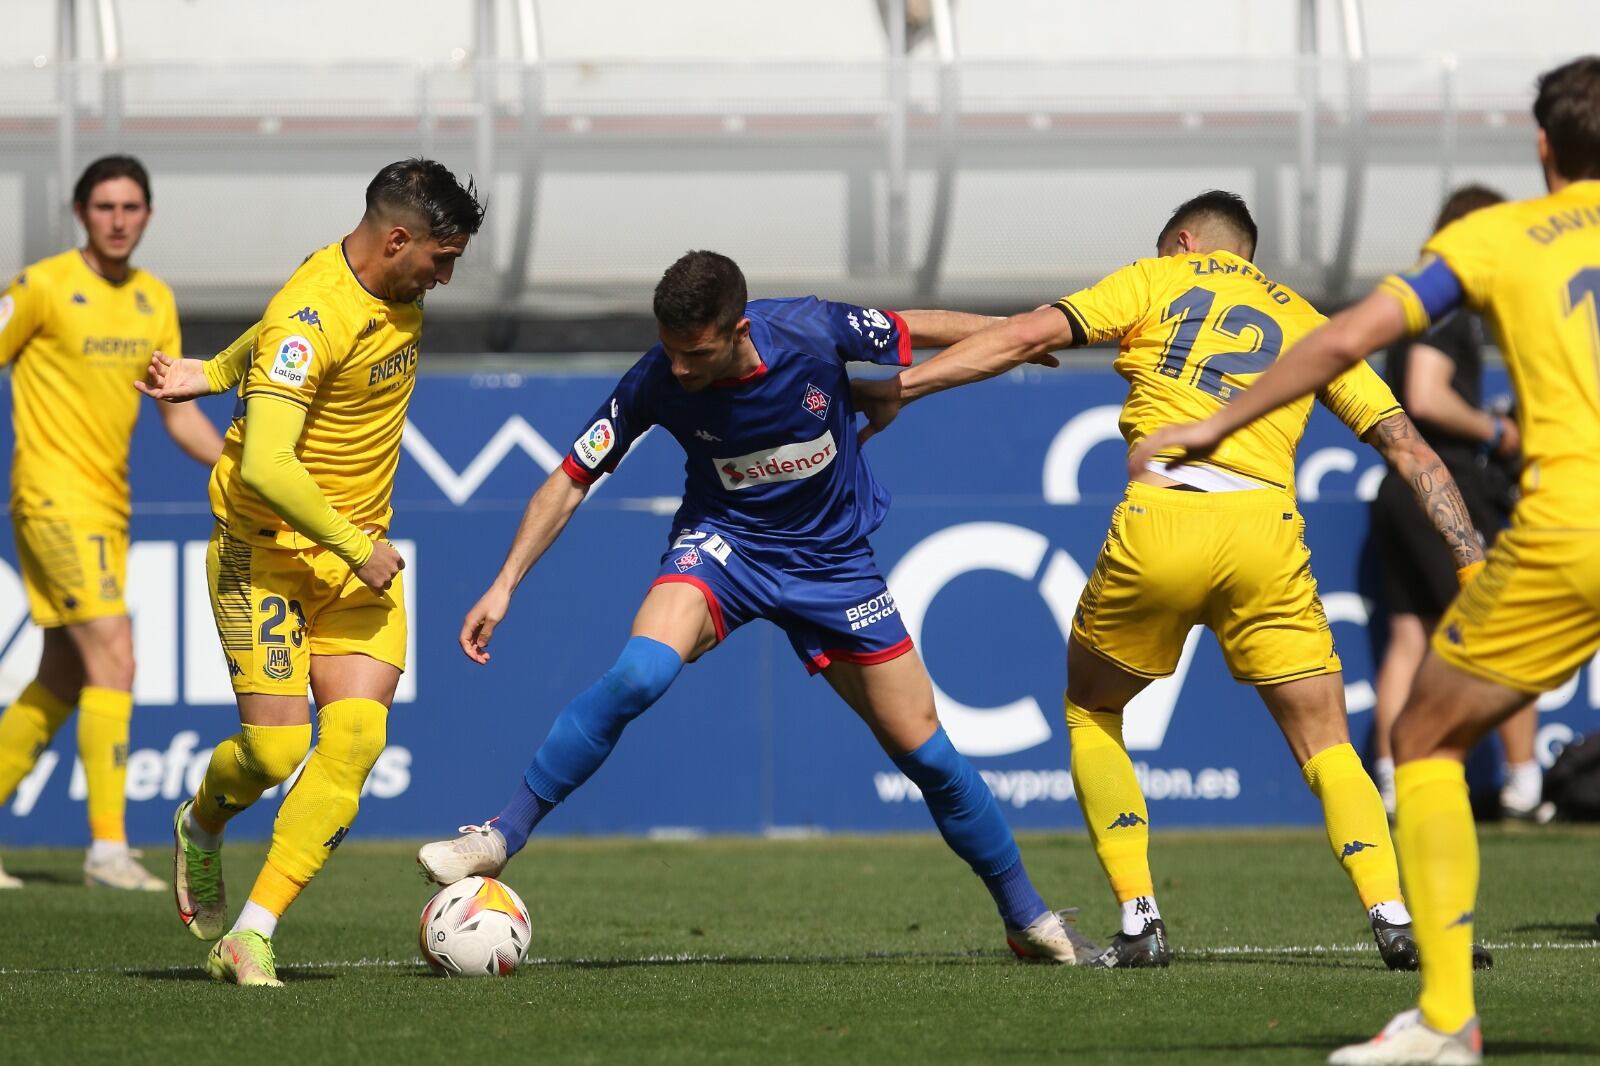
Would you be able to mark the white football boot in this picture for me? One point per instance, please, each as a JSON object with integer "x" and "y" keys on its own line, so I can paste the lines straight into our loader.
{"x": 1051, "y": 937}
{"x": 480, "y": 851}
{"x": 123, "y": 871}
{"x": 7, "y": 881}
{"x": 1407, "y": 1039}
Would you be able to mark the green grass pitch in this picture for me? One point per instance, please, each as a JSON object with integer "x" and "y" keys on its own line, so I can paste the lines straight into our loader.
{"x": 872, "y": 950}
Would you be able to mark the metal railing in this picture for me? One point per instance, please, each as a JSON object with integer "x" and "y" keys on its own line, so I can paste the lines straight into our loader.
{"x": 901, "y": 181}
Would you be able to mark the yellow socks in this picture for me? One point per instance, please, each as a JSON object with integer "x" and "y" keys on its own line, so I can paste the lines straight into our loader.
{"x": 1358, "y": 829}
{"x": 318, "y": 811}
{"x": 25, "y": 731}
{"x": 103, "y": 717}
{"x": 1440, "y": 847}
{"x": 246, "y": 765}
{"x": 1113, "y": 806}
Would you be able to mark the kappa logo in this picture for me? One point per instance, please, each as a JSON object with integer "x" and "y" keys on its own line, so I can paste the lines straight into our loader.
{"x": 1127, "y": 820}
{"x": 234, "y": 669}
{"x": 338, "y": 838}
{"x": 687, "y": 560}
{"x": 278, "y": 665}
{"x": 80, "y": 299}
{"x": 1452, "y": 633}
{"x": 1465, "y": 919}
{"x": 1355, "y": 847}
{"x": 308, "y": 316}
{"x": 709, "y": 438}
{"x": 816, "y": 401}
{"x": 366, "y": 331}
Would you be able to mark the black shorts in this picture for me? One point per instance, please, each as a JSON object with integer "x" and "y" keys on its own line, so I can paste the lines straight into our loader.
{"x": 1418, "y": 571}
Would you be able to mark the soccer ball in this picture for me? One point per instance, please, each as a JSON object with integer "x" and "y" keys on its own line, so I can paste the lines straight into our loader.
{"x": 476, "y": 927}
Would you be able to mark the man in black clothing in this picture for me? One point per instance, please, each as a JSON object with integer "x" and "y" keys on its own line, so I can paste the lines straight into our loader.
{"x": 1439, "y": 379}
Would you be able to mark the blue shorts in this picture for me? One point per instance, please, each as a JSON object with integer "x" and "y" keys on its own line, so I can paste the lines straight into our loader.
{"x": 834, "y": 608}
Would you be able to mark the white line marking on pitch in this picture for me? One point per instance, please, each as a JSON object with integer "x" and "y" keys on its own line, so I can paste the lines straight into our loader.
{"x": 690, "y": 958}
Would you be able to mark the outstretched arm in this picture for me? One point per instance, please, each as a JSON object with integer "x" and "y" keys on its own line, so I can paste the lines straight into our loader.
{"x": 1325, "y": 353}
{"x": 177, "y": 380}
{"x": 543, "y": 520}
{"x": 1007, "y": 343}
{"x": 1403, "y": 448}
{"x": 940, "y": 329}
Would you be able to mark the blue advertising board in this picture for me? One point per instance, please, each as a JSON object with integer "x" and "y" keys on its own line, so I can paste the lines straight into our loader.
{"x": 1001, "y": 497}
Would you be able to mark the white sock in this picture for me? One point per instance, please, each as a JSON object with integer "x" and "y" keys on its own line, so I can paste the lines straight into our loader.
{"x": 1524, "y": 783}
{"x": 1383, "y": 770}
{"x": 107, "y": 850}
{"x": 255, "y": 916}
{"x": 1392, "y": 911}
{"x": 1136, "y": 912}
{"x": 198, "y": 835}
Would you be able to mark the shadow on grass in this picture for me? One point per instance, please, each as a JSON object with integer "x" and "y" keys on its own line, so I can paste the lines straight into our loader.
{"x": 1561, "y": 930}
{"x": 1493, "y": 1048}
{"x": 197, "y": 974}
{"x": 47, "y": 877}
{"x": 1302, "y": 961}
{"x": 874, "y": 958}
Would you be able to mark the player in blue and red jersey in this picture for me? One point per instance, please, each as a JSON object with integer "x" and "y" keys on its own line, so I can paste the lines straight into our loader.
{"x": 777, "y": 507}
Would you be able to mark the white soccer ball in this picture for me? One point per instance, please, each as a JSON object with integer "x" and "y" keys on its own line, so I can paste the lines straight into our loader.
{"x": 476, "y": 927}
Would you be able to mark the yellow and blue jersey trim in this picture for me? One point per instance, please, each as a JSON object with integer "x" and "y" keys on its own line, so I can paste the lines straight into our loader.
{"x": 1428, "y": 291}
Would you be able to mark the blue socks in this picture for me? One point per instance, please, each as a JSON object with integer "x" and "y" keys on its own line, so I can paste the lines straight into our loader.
{"x": 585, "y": 732}
{"x": 1018, "y": 901}
{"x": 970, "y": 821}
{"x": 524, "y": 810}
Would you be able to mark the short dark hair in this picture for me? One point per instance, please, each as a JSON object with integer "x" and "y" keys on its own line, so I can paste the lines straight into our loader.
{"x": 427, "y": 188}
{"x": 700, "y": 289}
{"x": 1213, "y": 205}
{"x": 109, "y": 168}
{"x": 1463, "y": 202}
{"x": 1568, "y": 110}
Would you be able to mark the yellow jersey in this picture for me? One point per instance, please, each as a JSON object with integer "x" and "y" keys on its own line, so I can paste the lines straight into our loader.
{"x": 79, "y": 342}
{"x": 1532, "y": 269}
{"x": 1196, "y": 329}
{"x": 350, "y": 359}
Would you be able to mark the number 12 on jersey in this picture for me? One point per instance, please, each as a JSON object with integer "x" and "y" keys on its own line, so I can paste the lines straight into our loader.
{"x": 1191, "y": 341}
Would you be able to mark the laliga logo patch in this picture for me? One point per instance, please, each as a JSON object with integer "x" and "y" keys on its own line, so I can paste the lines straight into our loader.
{"x": 593, "y": 445}
{"x": 8, "y": 307}
{"x": 816, "y": 402}
{"x": 690, "y": 558}
{"x": 293, "y": 362}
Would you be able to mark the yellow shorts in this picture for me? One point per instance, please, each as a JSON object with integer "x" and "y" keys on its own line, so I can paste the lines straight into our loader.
{"x": 1532, "y": 615}
{"x": 277, "y": 607}
{"x": 73, "y": 568}
{"x": 1235, "y": 562}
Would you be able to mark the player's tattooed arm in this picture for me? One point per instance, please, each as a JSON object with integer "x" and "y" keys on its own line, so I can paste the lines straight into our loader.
{"x": 1403, "y": 448}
